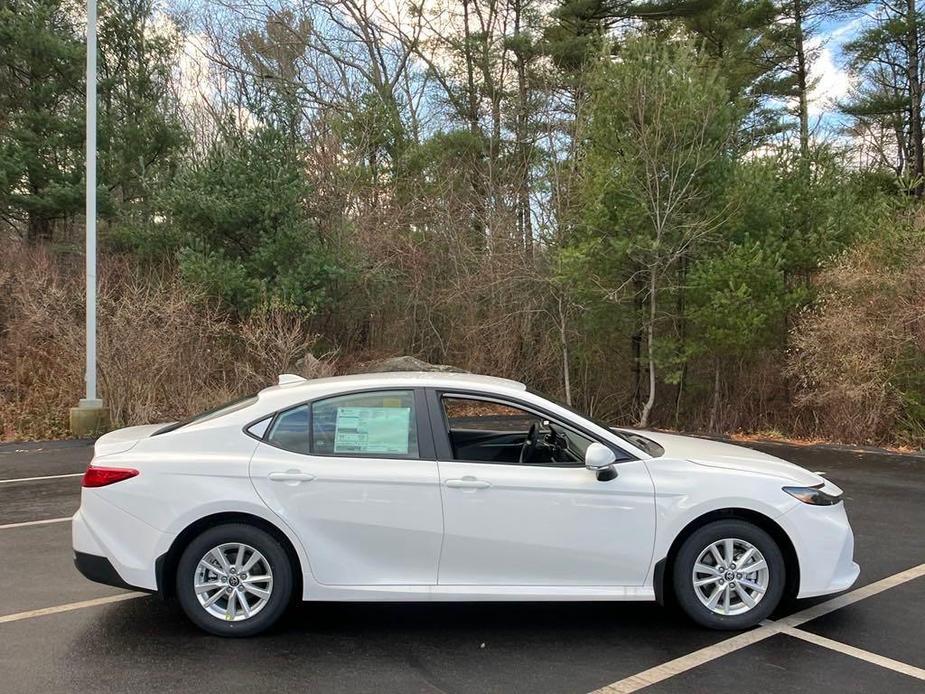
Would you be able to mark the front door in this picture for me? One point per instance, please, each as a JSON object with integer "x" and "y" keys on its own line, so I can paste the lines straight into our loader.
{"x": 350, "y": 475}
{"x": 521, "y": 509}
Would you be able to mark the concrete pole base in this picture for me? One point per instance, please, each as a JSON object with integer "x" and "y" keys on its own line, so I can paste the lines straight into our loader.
{"x": 90, "y": 418}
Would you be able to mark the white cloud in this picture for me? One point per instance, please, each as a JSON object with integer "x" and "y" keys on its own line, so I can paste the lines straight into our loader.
{"x": 847, "y": 30}
{"x": 830, "y": 81}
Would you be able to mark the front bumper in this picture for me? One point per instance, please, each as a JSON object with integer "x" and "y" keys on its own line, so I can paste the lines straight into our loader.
{"x": 824, "y": 544}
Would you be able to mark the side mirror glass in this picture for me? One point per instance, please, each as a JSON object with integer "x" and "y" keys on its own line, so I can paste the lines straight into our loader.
{"x": 598, "y": 457}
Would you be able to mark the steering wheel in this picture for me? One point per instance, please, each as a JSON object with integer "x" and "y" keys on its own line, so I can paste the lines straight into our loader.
{"x": 533, "y": 436}
{"x": 557, "y": 440}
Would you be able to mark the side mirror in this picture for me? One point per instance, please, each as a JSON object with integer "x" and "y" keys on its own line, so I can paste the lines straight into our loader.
{"x": 600, "y": 459}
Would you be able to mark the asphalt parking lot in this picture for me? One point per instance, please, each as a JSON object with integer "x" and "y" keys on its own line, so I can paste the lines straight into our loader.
{"x": 61, "y": 633}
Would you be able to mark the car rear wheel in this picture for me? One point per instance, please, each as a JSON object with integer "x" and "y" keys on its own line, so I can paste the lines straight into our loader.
{"x": 234, "y": 580}
{"x": 729, "y": 574}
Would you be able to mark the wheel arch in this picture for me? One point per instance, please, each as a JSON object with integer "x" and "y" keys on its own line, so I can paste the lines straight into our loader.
{"x": 663, "y": 568}
{"x": 165, "y": 566}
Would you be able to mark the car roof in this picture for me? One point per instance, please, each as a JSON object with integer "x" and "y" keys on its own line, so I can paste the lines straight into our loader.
{"x": 390, "y": 379}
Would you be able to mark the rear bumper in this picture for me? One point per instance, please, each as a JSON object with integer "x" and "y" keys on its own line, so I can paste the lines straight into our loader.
{"x": 121, "y": 548}
{"x": 101, "y": 570}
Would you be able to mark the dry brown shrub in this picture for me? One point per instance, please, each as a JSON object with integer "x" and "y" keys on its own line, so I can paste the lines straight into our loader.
{"x": 40, "y": 363}
{"x": 846, "y": 352}
{"x": 164, "y": 351}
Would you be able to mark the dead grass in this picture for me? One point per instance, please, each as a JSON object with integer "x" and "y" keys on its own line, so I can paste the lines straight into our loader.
{"x": 850, "y": 355}
{"x": 164, "y": 351}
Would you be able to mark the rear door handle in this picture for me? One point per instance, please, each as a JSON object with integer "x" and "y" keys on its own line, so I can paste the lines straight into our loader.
{"x": 468, "y": 483}
{"x": 292, "y": 476}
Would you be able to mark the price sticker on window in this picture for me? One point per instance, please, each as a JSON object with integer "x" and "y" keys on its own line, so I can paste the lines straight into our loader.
{"x": 372, "y": 430}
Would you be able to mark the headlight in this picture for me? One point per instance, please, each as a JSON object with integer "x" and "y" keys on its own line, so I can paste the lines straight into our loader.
{"x": 813, "y": 495}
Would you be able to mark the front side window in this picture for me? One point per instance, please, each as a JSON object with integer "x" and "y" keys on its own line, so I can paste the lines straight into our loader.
{"x": 494, "y": 432}
{"x": 366, "y": 424}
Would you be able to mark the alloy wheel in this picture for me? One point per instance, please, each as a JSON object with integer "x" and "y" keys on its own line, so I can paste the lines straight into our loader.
{"x": 730, "y": 576}
{"x": 233, "y": 582}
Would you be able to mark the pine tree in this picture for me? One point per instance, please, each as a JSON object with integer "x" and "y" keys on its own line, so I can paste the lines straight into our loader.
{"x": 887, "y": 58}
{"x": 41, "y": 115}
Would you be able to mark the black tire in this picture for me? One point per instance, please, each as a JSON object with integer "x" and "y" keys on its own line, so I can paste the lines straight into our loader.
{"x": 274, "y": 554}
{"x": 702, "y": 538}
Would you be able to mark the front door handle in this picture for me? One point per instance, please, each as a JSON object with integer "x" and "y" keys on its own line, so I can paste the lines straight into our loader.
{"x": 291, "y": 476}
{"x": 468, "y": 483}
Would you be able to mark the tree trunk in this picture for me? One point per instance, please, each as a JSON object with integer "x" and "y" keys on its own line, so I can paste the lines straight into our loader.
{"x": 682, "y": 335}
{"x": 915, "y": 96}
{"x": 472, "y": 117}
{"x": 525, "y": 231}
{"x": 563, "y": 345}
{"x": 798, "y": 20}
{"x": 636, "y": 346}
{"x": 714, "y": 410}
{"x": 650, "y": 348}
{"x": 39, "y": 228}
{"x": 471, "y": 98}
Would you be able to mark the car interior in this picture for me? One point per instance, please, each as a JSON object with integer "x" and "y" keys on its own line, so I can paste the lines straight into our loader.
{"x": 479, "y": 431}
{"x": 488, "y": 431}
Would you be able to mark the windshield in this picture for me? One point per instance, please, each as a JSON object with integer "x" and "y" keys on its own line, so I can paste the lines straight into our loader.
{"x": 648, "y": 445}
{"x": 215, "y": 412}
{"x": 638, "y": 440}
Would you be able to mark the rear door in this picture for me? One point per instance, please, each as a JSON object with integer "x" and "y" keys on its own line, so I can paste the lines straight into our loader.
{"x": 544, "y": 521}
{"x": 355, "y": 476}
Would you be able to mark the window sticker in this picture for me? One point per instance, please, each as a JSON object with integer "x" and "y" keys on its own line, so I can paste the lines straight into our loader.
{"x": 372, "y": 430}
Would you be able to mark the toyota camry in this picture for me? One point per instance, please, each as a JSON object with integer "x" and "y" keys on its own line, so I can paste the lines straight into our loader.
{"x": 447, "y": 487}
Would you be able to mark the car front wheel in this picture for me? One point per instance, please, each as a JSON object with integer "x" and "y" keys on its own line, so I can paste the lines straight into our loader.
{"x": 234, "y": 580}
{"x": 729, "y": 574}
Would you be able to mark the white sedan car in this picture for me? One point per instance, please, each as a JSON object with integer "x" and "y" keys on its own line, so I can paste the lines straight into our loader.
{"x": 432, "y": 486}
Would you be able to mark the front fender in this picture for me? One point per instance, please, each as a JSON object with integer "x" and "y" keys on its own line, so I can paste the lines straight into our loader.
{"x": 685, "y": 491}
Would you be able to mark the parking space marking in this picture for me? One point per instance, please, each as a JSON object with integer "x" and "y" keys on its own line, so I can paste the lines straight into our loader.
{"x": 68, "y": 607}
{"x": 874, "y": 658}
{"x": 854, "y": 596}
{"x": 26, "y": 524}
{"x": 42, "y": 477}
{"x": 766, "y": 630}
{"x": 687, "y": 662}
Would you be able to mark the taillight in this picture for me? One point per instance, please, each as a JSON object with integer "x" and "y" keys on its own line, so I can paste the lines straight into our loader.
{"x": 101, "y": 476}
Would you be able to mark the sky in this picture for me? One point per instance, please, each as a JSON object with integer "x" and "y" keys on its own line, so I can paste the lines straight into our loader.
{"x": 833, "y": 82}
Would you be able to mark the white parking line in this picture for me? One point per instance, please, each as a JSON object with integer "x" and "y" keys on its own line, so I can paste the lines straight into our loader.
{"x": 686, "y": 662}
{"x": 43, "y": 477}
{"x": 69, "y": 607}
{"x": 26, "y": 524}
{"x": 880, "y": 660}
{"x": 705, "y": 655}
{"x": 846, "y": 599}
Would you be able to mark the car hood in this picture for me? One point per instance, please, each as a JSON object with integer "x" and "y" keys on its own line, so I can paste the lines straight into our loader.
{"x": 121, "y": 440}
{"x": 725, "y": 455}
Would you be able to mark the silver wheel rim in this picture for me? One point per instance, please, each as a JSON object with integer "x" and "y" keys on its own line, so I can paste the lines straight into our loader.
{"x": 730, "y": 577}
{"x": 233, "y": 582}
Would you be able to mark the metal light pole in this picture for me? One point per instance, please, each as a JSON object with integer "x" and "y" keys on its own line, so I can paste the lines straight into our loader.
{"x": 90, "y": 416}
{"x": 91, "y": 201}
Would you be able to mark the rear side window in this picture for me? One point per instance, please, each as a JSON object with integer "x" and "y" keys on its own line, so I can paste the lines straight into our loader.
{"x": 366, "y": 424}
{"x": 374, "y": 424}
{"x": 290, "y": 430}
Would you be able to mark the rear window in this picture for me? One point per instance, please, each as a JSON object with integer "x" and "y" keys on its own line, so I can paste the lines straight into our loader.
{"x": 214, "y": 413}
